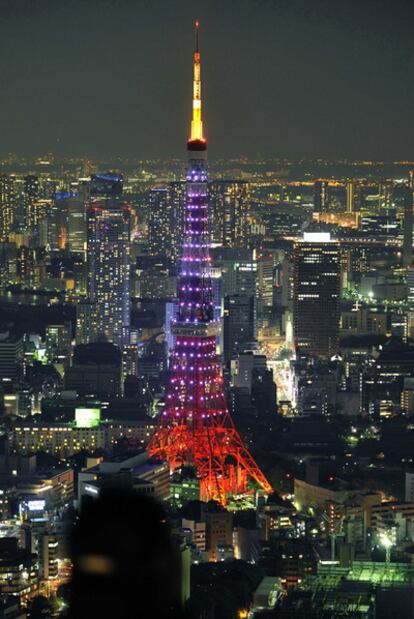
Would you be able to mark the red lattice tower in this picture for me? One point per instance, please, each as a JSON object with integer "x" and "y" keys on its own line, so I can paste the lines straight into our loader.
{"x": 195, "y": 426}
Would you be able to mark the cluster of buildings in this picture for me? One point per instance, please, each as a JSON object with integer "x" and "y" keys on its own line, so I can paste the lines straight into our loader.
{"x": 266, "y": 322}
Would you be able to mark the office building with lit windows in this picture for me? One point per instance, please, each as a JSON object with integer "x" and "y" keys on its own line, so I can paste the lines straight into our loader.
{"x": 407, "y": 250}
{"x": 7, "y": 205}
{"x": 65, "y": 439}
{"x": 321, "y": 196}
{"x": 239, "y": 323}
{"x": 159, "y": 223}
{"x": 316, "y": 302}
{"x": 108, "y": 254}
{"x": 176, "y": 197}
{"x": 30, "y": 197}
{"x": 76, "y": 240}
{"x": 11, "y": 356}
{"x": 230, "y": 207}
{"x": 166, "y": 220}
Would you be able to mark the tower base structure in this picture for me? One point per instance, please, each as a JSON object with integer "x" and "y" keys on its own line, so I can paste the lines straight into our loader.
{"x": 222, "y": 462}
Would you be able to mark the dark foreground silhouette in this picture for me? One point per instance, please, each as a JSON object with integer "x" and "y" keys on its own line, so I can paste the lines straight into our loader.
{"x": 125, "y": 564}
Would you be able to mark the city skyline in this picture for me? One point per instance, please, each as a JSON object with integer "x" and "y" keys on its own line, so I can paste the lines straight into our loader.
{"x": 283, "y": 80}
{"x": 211, "y": 363}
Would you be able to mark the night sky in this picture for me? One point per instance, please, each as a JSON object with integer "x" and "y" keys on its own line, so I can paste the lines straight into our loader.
{"x": 288, "y": 78}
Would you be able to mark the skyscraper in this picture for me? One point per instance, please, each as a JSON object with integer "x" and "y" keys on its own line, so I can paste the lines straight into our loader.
{"x": 195, "y": 426}
{"x": 159, "y": 223}
{"x": 316, "y": 301}
{"x": 165, "y": 220}
{"x": 238, "y": 323}
{"x": 265, "y": 278}
{"x": 350, "y": 197}
{"x": 176, "y": 197}
{"x": 7, "y": 204}
{"x": 385, "y": 195}
{"x": 76, "y": 240}
{"x": 230, "y": 206}
{"x": 30, "y": 197}
{"x": 108, "y": 270}
{"x": 238, "y": 269}
{"x": 321, "y": 196}
{"x": 407, "y": 252}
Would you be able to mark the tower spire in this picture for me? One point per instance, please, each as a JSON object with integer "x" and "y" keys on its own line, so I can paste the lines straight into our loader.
{"x": 196, "y": 122}
{"x": 197, "y": 24}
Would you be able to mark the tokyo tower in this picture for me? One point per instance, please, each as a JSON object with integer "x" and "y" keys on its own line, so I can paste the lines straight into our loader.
{"x": 195, "y": 427}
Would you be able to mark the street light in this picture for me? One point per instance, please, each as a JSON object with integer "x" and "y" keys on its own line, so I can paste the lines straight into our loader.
{"x": 387, "y": 542}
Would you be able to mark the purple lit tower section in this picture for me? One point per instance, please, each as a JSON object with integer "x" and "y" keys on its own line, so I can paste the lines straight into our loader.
{"x": 195, "y": 426}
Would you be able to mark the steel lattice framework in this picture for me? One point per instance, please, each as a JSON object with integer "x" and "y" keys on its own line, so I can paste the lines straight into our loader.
{"x": 195, "y": 426}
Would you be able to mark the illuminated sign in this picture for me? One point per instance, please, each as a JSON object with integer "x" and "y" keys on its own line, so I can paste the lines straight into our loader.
{"x": 317, "y": 237}
{"x": 91, "y": 489}
{"x": 36, "y": 505}
{"x": 87, "y": 417}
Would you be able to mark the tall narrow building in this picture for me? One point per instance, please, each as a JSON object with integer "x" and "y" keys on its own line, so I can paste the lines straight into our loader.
{"x": 159, "y": 223}
{"x": 30, "y": 198}
{"x": 230, "y": 208}
{"x": 321, "y": 196}
{"x": 316, "y": 300}
{"x": 195, "y": 426}
{"x": 108, "y": 255}
{"x": 165, "y": 220}
{"x": 7, "y": 205}
{"x": 176, "y": 197}
{"x": 350, "y": 196}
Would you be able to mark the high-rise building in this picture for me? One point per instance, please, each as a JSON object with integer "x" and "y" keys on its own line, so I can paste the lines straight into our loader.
{"x": 108, "y": 256}
{"x": 58, "y": 341}
{"x": 176, "y": 197}
{"x": 230, "y": 206}
{"x": 85, "y": 322}
{"x": 76, "y": 212}
{"x": 30, "y": 197}
{"x": 265, "y": 278}
{"x": 407, "y": 251}
{"x": 95, "y": 370}
{"x": 49, "y": 561}
{"x": 107, "y": 185}
{"x": 159, "y": 223}
{"x": 7, "y": 205}
{"x": 238, "y": 268}
{"x": 350, "y": 197}
{"x": 59, "y": 221}
{"x": 321, "y": 196}
{"x": 316, "y": 301}
{"x": 11, "y": 356}
{"x": 165, "y": 220}
{"x": 385, "y": 195}
{"x": 410, "y": 285}
{"x": 25, "y": 266}
{"x": 195, "y": 426}
{"x": 238, "y": 323}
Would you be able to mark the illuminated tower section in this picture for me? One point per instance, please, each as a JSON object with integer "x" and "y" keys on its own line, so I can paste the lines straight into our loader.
{"x": 195, "y": 426}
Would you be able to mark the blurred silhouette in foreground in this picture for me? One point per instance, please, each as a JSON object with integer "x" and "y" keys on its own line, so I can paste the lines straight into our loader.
{"x": 124, "y": 561}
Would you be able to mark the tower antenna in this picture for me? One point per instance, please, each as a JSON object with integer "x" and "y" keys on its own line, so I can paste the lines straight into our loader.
{"x": 197, "y": 24}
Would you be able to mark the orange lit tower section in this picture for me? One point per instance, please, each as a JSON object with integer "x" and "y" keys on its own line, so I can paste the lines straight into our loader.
{"x": 196, "y": 122}
{"x": 195, "y": 427}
